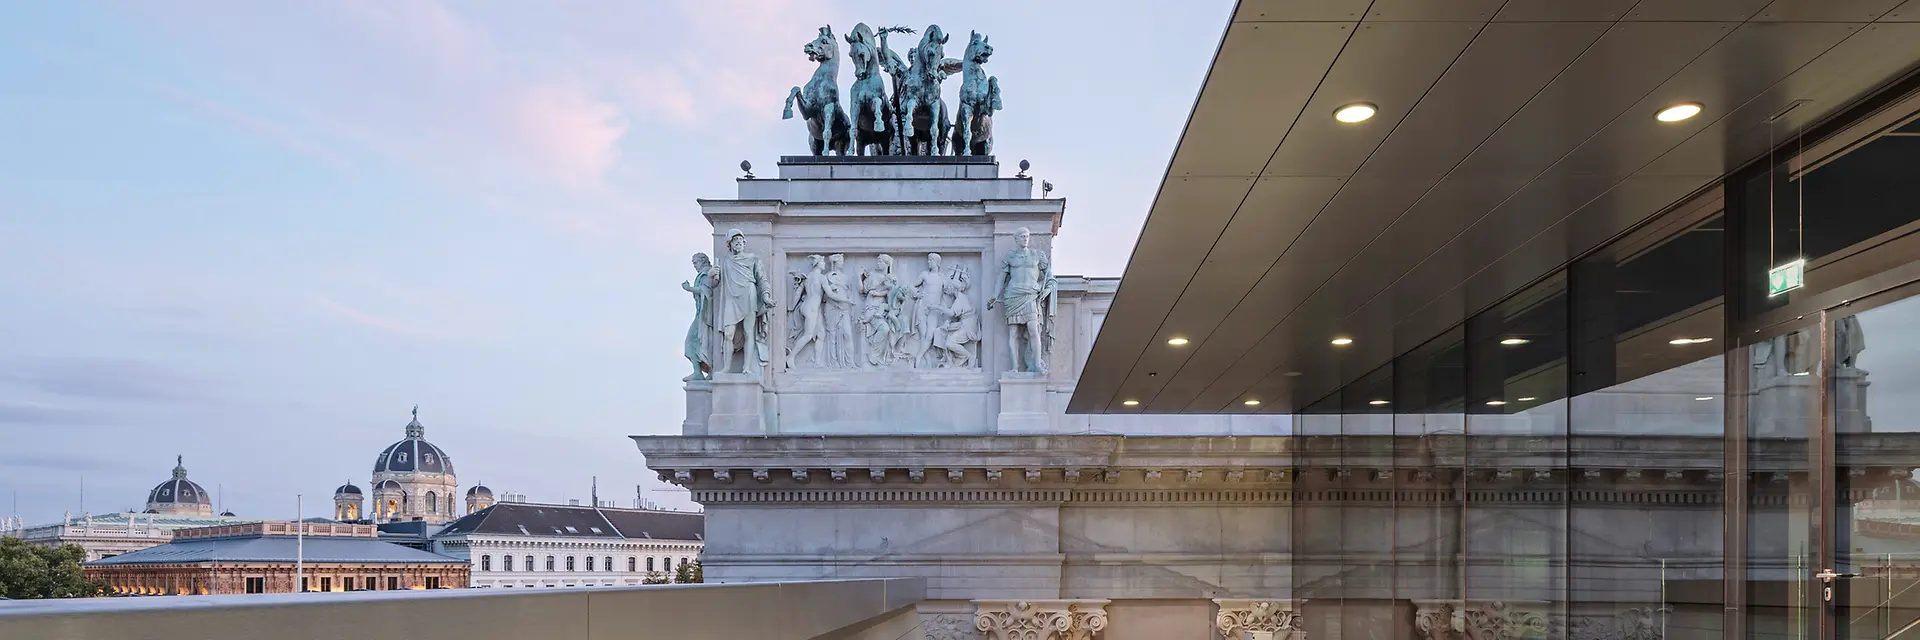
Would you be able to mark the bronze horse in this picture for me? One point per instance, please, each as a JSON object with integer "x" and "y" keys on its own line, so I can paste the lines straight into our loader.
{"x": 827, "y": 124}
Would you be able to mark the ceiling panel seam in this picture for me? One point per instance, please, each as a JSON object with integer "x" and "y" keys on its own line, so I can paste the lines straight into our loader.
{"x": 1162, "y": 324}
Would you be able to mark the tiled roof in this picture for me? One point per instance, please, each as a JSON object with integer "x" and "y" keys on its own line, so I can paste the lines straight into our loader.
{"x": 521, "y": 519}
{"x": 277, "y": 549}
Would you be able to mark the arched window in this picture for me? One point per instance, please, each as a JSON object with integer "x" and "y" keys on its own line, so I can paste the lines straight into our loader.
{"x": 649, "y": 564}
{"x": 508, "y": 561}
{"x": 631, "y": 562}
{"x": 569, "y": 563}
{"x": 529, "y": 563}
{"x": 589, "y": 563}
{"x": 486, "y": 563}
{"x": 667, "y": 564}
{"x": 549, "y": 563}
{"x": 433, "y": 502}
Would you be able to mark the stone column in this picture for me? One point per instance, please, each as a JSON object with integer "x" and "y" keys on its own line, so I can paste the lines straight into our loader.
{"x": 1040, "y": 619}
{"x": 1253, "y": 619}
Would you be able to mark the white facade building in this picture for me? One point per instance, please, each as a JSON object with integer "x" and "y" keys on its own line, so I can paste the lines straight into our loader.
{"x": 520, "y": 545}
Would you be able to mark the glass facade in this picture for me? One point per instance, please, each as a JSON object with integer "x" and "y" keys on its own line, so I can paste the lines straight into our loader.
{"x": 1651, "y": 442}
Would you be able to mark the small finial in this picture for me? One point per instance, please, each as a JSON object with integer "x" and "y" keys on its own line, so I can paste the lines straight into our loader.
{"x": 1024, "y": 166}
{"x": 747, "y": 167}
{"x": 1045, "y": 188}
{"x": 416, "y": 412}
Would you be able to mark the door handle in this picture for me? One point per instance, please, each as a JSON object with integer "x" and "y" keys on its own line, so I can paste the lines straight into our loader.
{"x": 1826, "y": 577}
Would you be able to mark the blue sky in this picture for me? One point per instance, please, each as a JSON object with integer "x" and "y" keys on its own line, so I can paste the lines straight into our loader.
{"x": 255, "y": 234}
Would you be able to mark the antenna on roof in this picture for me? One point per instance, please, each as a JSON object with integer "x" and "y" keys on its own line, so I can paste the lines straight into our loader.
{"x": 595, "y": 493}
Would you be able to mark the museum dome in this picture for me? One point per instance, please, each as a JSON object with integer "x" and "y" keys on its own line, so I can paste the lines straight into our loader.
{"x": 178, "y": 494}
{"x": 347, "y": 490}
{"x": 414, "y": 454}
{"x": 479, "y": 490}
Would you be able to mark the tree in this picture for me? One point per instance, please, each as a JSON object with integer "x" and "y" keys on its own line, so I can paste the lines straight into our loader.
{"x": 689, "y": 573}
{"x": 28, "y": 572}
{"x": 655, "y": 577}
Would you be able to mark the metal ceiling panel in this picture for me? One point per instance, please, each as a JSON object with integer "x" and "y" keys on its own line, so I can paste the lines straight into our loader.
{"x": 1389, "y": 64}
{"x": 1497, "y": 75}
{"x": 1278, "y": 208}
{"x": 1695, "y": 10}
{"x": 1908, "y": 11}
{"x": 1563, "y": 10}
{"x": 1428, "y": 10}
{"x": 1297, "y": 11}
{"x": 1825, "y": 10}
{"x": 1265, "y": 74}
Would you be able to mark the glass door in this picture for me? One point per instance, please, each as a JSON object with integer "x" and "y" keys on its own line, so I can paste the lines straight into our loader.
{"x": 1871, "y": 366}
{"x": 1778, "y": 371}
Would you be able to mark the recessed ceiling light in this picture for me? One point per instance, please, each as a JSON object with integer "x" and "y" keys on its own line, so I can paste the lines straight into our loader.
{"x": 1131, "y": 403}
{"x": 1801, "y": 373}
{"x": 1343, "y": 341}
{"x": 1293, "y": 374}
{"x": 1253, "y": 403}
{"x": 1376, "y": 402}
{"x": 1687, "y": 341}
{"x": 1513, "y": 341}
{"x": 1678, "y": 112}
{"x": 1528, "y": 399}
{"x": 1495, "y": 403}
{"x": 1703, "y": 398}
{"x": 1356, "y": 112}
{"x": 1176, "y": 341}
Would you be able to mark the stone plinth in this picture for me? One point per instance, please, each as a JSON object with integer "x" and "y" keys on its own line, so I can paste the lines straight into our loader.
{"x": 699, "y": 408}
{"x": 738, "y": 408}
{"x": 1023, "y": 405}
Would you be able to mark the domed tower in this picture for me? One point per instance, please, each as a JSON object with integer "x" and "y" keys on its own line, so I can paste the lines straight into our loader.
{"x": 479, "y": 497}
{"x": 179, "y": 495}
{"x": 346, "y": 502}
{"x": 413, "y": 480}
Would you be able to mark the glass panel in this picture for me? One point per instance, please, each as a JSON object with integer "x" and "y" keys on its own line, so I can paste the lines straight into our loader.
{"x": 1516, "y": 509}
{"x": 1876, "y": 393}
{"x": 1367, "y": 486}
{"x": 1429, "y": 425}
{"x": 1782, "y": 411}
{"x": 1317, "y": 523}
{"x": 1647, "y": 428}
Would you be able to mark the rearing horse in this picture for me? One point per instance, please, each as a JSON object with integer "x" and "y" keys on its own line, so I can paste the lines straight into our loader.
{"x": 923, "y": 112}
{"x": 979, "y": 98}
{"x": 869, "y": 94}
{"x": 827, "y": 123}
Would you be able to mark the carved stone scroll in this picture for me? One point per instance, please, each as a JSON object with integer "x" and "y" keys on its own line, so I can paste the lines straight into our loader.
{"x": 1040, "y": 619}
{"x": 1243, "y": 619}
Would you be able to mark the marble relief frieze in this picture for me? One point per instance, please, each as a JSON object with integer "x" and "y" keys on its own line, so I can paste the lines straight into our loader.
{"x": 882, "y": 311}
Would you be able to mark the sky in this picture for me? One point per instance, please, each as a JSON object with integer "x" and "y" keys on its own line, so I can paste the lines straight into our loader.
{"x": 256, "y": 234}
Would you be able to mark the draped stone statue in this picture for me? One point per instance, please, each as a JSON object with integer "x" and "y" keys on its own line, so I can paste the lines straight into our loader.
{"x": 808, "y": 308}
{"x": 876, "y": 318}
{"x": 960, "y": 325}
{"x": 1026, "y": 296}
{"x": 1848, "y": 341}
{"x": 928, "y": 311}
{"x": 842, "y": 350}
{"x": 979, "y": 98}
{"x": 827, "y": 124}
{"x": 701, "y": 286}
{"x": 746, "y": 300}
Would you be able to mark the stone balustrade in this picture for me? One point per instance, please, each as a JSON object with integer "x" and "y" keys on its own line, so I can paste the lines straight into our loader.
{"x": 850, "y": 609}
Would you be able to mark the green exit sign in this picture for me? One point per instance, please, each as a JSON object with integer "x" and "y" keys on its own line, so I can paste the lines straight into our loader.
{"x": 1786, "y": 277}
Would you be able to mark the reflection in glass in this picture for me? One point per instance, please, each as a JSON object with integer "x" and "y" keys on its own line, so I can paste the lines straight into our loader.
{"x": 1877, "y": 511}
{"x": 1782, "y": 410}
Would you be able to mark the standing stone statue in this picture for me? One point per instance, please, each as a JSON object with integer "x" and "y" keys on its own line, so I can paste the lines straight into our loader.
{"x": 923, "y": 111}
{"x": 842, "y": 351}
{"x": 746, "y": 301}
{"x": 961, "y": 324}
{"x": 877, "y": 286}
{"x": 979, "y": 98}
{"x": 807, "y": 308}
{"x": 928, "y": 311}
{"x": 701, "y": 286}
{"x": 871, "y": 111}
{"x": 1026, "y": 296}
{"x": 1848, "y": 341}
{"x": 827, "y": 124}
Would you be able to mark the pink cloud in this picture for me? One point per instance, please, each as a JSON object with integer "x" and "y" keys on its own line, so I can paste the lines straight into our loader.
{"x": 577, "y": 137}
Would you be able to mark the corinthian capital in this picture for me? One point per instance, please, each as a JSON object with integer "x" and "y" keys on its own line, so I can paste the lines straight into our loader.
{"x": 1040, "y": 619}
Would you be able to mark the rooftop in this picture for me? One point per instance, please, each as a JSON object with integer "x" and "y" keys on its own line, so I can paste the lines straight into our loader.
{"x": 521, "y": 519}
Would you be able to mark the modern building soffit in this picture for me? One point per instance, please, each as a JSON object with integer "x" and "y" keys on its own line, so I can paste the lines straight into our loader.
{"x": 1505, "y": 138}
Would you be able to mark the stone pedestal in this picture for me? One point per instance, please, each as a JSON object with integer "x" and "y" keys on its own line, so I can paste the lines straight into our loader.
{"x": 1254, "y": 619}
{"x": 738, "y": 408}
{"x": 1040, "y": 619}
{"x": 1023, "y": 405}
{"x": 1850, "y": 401}
{"x": 699, "y": 407}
